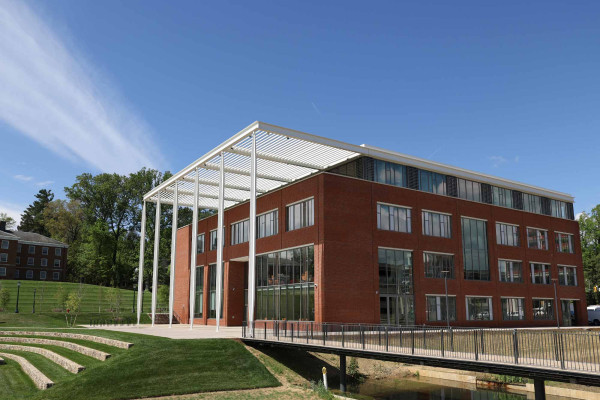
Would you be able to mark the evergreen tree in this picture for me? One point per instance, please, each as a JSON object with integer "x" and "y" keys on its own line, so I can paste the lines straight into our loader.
{"x": 32, "y": 219}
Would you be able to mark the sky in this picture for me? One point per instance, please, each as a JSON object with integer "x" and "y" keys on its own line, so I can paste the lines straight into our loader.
{"x": 510, "y": 89}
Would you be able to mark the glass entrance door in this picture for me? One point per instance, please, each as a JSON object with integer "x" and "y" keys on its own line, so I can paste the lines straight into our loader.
{"x": 396, "y": 310}
{"x": 568, "y": 312}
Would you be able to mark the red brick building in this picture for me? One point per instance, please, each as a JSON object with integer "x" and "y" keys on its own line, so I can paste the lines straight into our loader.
{"x": 31, "y": 256}
{"x": 374, "y": 238}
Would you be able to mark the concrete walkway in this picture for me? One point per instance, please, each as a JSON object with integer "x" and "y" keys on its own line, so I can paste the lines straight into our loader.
{"x": 178, "y": 331}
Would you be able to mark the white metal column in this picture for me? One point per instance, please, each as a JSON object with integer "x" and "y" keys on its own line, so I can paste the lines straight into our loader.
{"x": 194, "y": 254}
{"x": 252, "y": 238}
{"x": 156, "y": 249}
{"x": 141, "y": 264}
{"x": 220, "y": 238}
{"x": 173, "y": 250}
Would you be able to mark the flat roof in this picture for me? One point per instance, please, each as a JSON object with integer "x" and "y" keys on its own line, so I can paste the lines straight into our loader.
{"x": 284, "y": 156}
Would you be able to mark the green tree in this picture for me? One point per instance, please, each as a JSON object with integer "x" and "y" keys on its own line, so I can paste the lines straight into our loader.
{"x": 32, "y": 219}
{"x": 72, "y": 306}
{"x": 4, "y": 298}
{"x": 10, "y": 222}
{"x": 589, "y": 226}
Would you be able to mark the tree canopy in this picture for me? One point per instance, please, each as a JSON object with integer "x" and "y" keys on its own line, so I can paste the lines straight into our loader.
{"x": 32, "y": 219}
{"x": 589, "y": 226}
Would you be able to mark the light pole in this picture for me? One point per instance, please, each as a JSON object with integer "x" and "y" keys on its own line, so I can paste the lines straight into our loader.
{"x": 18, "y": 290}
{"x": 33, "y": 301}
{"x": 446, "y": 287}
{"x": 556, "y": 302}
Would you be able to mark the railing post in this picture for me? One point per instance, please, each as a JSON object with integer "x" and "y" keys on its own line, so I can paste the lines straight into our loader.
{"x": 412, "y": 336}
{"x": 379, "y": 335}
{"x": 562, "y": 351}
{"x": 362, "y": 336}
{"x": 400, "y": 337}
{"x": 342, "y": 335}
{"x": 307, "y": 337}
{"x": 292, "y": 331}
{"x": 253, "y": 329}
{"x": 482, "y": 342}
{"x": 442, "y": 341}
{"x": 451, "y": 339}
{"x": 277, "y": 329}
{"x": 243, "y": 330}
{"x": 265, "y": 328}
{"x": 324, "y": 333}
{"x": 475, "y": 344}
{"x": 387, "y": 339}
{"x": 312, "y": 330}
{"x": 515, "y": 346}
{"x": 424, "y": 338}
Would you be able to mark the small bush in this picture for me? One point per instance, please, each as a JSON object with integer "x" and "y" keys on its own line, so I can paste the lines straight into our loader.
{"x": 4, "y": 298}
{"x": 321, "y": 391}
{"x": 163, "y": 295}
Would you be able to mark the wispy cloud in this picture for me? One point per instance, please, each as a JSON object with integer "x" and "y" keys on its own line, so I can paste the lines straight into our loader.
{"x": 23, "y": 178}
{"x": 497, "y": 160}
{"x": 49, "y": 94}
{"x": 315, "y": 107}
{"x": 44, "y": 183}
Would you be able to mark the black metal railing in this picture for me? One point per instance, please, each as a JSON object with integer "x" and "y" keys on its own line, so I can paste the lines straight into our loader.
{"x": 549, "y": 348}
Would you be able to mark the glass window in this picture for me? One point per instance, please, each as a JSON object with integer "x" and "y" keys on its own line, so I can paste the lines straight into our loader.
{"x": 44, "y": 262}
{"x": 567, "y": 276}
{"x": 3, "y": 257}
{"x": 212, "y": 300}
{"x": 29, "y": 260}
{"x": 436, "y": 264}
{"x": 199, "y": 299}
{"x": 56, "y": 276}
{"x": 267, "y": 224}
{"x": 436, "y": 308}
{"x": 239, "y": 232}
{"x": 31, "y": 249}
{"x": 29, "y": 274}
{"x": 564, "y": 242}
{"x": 200, "y": 243}
{"x": 510, "y": 271}
{"x": 506, "y": 234}
{"x": 213, "y": 239}
{"x": 56, "y": 263}
{"x": 475, "y": 249}
{"x": 44, "y": 251}
{"x": 392, "y": 218}
{"x": 436, "y": 224}
{"x": 300, "y": 215}
{"x": 16, "y": 275}
{"x": 537, "y": 239}
{"x": 390, "y": 173}
{"x": 532, "y": 203}
{"x": 559, "y": 209}
{"x": 543, "y": 309}
{"x": 2, "y": 271}
{"x": 57, "y": 251}
{"x": 42, "y": 274}
{"x": 18, "y": 260}
{"x": 19, "y": 248}
{"x": 479, "y": 309}
{"x": 432, "y": 182}
{"x": 501, "y": 197}
{"x": 5, "y": 244}
{"x": 540, "y": 274}
{"x": 469, "y": 190}
{"x": 396, "y": 287}
{"x": 512, "y": 309}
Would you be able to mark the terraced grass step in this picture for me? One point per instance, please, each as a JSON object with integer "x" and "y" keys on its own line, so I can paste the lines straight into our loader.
{"x": 39, "y": 379}
{"x": 97, "y": 354}
{"x": 64, "y": 362}
{"x": 97, "y": 339}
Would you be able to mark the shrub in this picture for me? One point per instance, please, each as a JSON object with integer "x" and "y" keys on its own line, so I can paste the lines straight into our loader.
{"x": 163, "y": 295}
{"x": 4, "y": 298}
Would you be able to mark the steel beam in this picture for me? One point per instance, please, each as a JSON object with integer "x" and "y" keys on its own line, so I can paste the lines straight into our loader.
{"x": 141, "y": 263}
{"x": 155, "y": 265}
{"x": 252, "y": 237}
{"x": 173, "y": 250}
{"x": 220, "y": 238}
{"x": 194, "y": 254}
{"x": 243, "y": 172}
{"x": 227, "y": 186}
{"x": 271, "y": 157}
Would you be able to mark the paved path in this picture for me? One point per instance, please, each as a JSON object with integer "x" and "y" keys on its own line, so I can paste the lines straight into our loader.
{"x": 178, "y": 331}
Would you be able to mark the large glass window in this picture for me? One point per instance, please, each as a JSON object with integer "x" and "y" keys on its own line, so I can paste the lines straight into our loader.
{"x": 432, "y": 182}
{"x": 396, "y": 287}
{"x": 507, "y": 234}
{"x": 3, "y": 257}
{"x": 559, "y": 209}
{"x": 393, "y": 218}
{"x": 267, "y": 224}
{"x": 469, "y": 190}
{"x": 2, "y": 271}
{"x": 213, "y": 239}
{"x": 199, "y": 302}
{"x": 436, "y": 308}
{"x": 512, "y": 309}
{"x": 564, "y": 242}
{"x": 475, "y": 249}
{"x": 501, "y": 197}
{"x": 540, "y": 274}
{"x": 438, "y": 265}
{"x": 285, "y": 285}
{"x": 479, "y": 309}
{"x": 5, "y": 244}
{"x": 436, "y": 224}
{"x": 300, "y": 215}
{"x": 239, "y": 232}
{"x": 567, "y": 276}
{"x": 532, "y": 203}
{"x": 200, "y": 243}
{"x": 510, "y": 271}
{"x": 390, "y": 173}
{"x": 212, "y": 300}
{"x": 543, "y": 309}
{"x": 537, "y": 239}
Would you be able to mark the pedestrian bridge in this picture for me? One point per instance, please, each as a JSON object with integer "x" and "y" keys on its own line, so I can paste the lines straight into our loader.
{"x": 563, "y": 355}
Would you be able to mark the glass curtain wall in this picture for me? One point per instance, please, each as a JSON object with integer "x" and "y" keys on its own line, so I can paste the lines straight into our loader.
{"x": 475, "y": 249}
{"x": 396, "y": 287}
{"x": 199, "y": 307}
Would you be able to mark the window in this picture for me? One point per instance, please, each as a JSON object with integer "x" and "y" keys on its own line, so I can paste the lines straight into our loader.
{"x": 537, "y": 239}
{"x": 56, "y": 276}
{"x": 200, "y": 243}
{"x": 285, "y": 285}
{"x": 16, "y": 276}
{"x": 437, "y": 263}
{"x": 5, "y": 244}
{"x": 239, "y": 232}
{"x": 213, "y": 291}
{"x": 56, "y": 263}
{"x": 42, "y": 274}
{"x": 44, "y": 251}
{"x": 390, "y": 173}
{"x": 532, "y": 203}
{"x": 564, "y": 242}
{"x": 57, "y": 251}
{"x": 475, "y": 250}
{"x": 512, "y": 309}
{"x": 267, "y": 224}
{"x": 432, "y": 182}
{"x": 479, "y": 309}
{"x": 567, "y": 276}
{"x": 300, "y": 215}
{"x": 501, "y": 197}
{"x": 396, "y": 287}
{"x": 3, "y": 257}
{"x": 559, "y": 209}
{"x": 510, "y": 271}
{"x": 19, "y": 249}
{"x": 44, "y": 262}
{"x": 392, "y": 218}
{"x": 543, "y": 309}
{"x": 213, "y": 239}
{"x": 469, "y": 190}
{"x": 30, "y": 261}
{"x": 199, "y": 306}
{"x": 436, "y": 308}
{"x": 506, "y": 234}
{"x": 31, "y": 249}
{"x": 540, "y": 274}
{"x": 2, "y": 271}
{"x": 18, "y": 260}
{"x": 436, "y": 224}
{"x": 29, "y": 274}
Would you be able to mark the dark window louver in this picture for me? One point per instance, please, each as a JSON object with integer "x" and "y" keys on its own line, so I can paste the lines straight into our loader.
{"x": 517, "y": 199}
{"x": 570, "y": 211}
{"x": 452, "y": 185}
{"x": 546, "y": 208}
{"x": 486, "y": 193}
{"x": 368, "y": 169}
{"x": 412, "y": 174}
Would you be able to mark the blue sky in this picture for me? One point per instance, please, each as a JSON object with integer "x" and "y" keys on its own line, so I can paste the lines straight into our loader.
{"x": 509, "y": 89}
